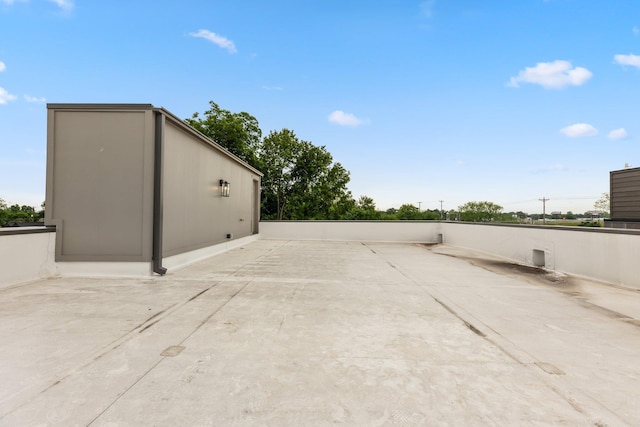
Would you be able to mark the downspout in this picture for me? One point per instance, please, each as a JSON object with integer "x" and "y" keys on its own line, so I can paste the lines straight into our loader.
{"x": 157, "y": 194}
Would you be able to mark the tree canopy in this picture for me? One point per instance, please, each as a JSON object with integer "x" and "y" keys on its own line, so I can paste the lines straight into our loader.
{"x": 301, "y": 180}
{"x": 480, "y": 211}
{"x": 17, "y": 213}
{"x": 362, "y": 209}
{"x": 239, "y": 133}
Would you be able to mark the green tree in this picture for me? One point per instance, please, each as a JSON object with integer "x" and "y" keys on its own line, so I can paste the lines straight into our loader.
{"x": 342, "y": 206}
{"x": 480, "y": 211}
{"x": 300, "y": 179}
{"x": 19, "y": 213}
{"x": 3, "y": 212}
{"x": 388, "y": 215}
{"x": 431, "y": 214}
{"x": 237, "y": 132}
{"x": 520, "y": 215}
{"x": 408, "y": 211}
{"x": 363, "y": 209}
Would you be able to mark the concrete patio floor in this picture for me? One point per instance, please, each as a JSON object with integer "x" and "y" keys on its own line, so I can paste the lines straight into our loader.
{"x": 322, "y": 333}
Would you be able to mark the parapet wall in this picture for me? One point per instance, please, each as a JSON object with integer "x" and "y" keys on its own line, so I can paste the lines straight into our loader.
{"x": 26, "y": 254}
{"x": 601, "y": 254}
{"x": 607, "y": 255}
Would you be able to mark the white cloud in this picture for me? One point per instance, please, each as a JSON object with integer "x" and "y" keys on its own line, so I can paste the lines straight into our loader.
{"x": 345, "y": 119}
{"x": 618, "y": 134}
{"x": 636, "y": 30}
{"x": 34, "y": 99}
{"x": 65, "y": 5}
{"x": 219, "y": 41}
{"x": 6, "y": 96}
{"x": 579, "y": 130}
{"x": 631, "y": 59}
{"x": 426, "y": 8}
{"x": 2, "y": 66}
{"x": 552, "y": 75}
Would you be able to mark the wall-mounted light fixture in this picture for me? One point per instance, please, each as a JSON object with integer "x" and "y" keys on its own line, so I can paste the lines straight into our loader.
{"x": 224, "y": 188}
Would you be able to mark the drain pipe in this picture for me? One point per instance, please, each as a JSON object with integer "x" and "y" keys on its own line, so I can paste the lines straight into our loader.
{"x": 157, "y": 194}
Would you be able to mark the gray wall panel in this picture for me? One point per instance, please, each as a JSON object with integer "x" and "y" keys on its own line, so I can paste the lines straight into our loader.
{"x": 99, "y": 185}
{"x": 195, "y": 213}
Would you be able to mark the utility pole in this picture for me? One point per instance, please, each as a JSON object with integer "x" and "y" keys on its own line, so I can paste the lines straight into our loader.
{"x": 544, "y": 201}
{"x": 441, "y": 211}
{"x": 419, "y": 206}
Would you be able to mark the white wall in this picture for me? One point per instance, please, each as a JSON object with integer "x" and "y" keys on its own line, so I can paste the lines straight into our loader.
{"x": 364, "y": 231}
{"x": 26, "y": 257}
{"x": 602, "y": 254}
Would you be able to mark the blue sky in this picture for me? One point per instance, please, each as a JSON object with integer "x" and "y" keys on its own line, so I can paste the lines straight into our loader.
{"x": 422, "y": 101}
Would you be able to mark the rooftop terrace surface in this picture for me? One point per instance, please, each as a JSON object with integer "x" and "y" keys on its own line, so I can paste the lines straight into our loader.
{"x": 322, "y": 333}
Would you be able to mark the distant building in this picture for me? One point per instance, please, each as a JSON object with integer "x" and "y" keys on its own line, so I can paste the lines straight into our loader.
{"x": 624, "y": 198}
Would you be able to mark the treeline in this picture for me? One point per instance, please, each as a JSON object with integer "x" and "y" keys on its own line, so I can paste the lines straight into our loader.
{"x": 365, "y": 209}
{"x": 17, "y": 213}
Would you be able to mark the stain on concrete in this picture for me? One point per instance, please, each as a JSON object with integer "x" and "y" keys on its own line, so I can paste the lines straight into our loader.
{"x": 172, "y": 351}
{"x": 549, "y": 368}
{"x": 563, "y": 283}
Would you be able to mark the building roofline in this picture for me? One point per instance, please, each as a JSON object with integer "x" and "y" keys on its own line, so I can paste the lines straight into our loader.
{"x": 96, "y": 106}
{"x": 626, "y": 170}
{"x": 161, "y": 110}
{"x": 184, "y": 126}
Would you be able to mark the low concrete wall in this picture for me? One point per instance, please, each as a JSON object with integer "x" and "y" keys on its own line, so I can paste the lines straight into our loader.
{"x": 26, "y": 254}
{"x": 362, "y": 231}
{"x": 609, "y": 255}
{"x": 602, "y": 254}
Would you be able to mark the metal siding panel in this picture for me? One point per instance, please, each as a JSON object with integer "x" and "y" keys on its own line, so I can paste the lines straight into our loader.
{"x": 99, "y": 184}
{"x": 625, "y": 194}
{"x": 195, "y": 215}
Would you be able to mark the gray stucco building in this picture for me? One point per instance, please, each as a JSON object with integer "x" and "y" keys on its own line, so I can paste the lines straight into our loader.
{"x": 133, "y": 183}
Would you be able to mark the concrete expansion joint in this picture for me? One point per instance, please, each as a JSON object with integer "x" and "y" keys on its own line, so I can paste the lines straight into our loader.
{"x": 552, "y": 376}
